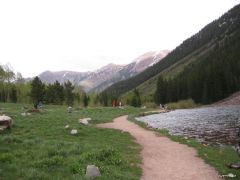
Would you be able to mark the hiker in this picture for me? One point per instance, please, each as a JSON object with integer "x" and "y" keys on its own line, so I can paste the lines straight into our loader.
{"x": 40, "y": 104}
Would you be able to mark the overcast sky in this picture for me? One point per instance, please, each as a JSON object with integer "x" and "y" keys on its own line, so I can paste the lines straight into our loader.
{"x": 83, "y": 35}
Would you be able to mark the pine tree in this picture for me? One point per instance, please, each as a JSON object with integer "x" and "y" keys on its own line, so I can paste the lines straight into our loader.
{"x": 136, "y": 100}
{"x": 37, "y": 90}
{"x": 85, "y": 99}
{"x": 68, "y": 91}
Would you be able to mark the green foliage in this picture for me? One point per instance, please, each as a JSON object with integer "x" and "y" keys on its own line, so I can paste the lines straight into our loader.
{"x": 211, "y": 34}
{"x": 86, "y": 99}
{"x": 135, "y": 100}
{"x": 68, "y": 91}
{"x": 6, "y": 157}
{"x": 54, "y": 94}
{"x": 37, "y": 90}
{"x": 160, "y": 96}
{"x": 214, "y": 77}
{"x": 183, "y": 104}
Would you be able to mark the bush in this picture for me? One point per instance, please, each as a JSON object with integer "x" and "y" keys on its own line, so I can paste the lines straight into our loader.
{"x": 183, "y": 104}
{"x": 6, "y": 157}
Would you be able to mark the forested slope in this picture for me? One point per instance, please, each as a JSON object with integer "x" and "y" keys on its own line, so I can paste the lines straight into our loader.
{"x": 208, "y": 37}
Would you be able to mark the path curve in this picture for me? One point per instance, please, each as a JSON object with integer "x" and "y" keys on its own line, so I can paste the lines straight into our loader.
{"x": 164, "y": 159}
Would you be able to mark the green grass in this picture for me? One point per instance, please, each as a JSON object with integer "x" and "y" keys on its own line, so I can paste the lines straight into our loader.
{"x": 215, "y": 156}
{"x": 39, "y": 147}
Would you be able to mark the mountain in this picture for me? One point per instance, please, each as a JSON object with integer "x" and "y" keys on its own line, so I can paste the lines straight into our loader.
{"x": 222, "y": 34}
{"x": 97, "y": 81}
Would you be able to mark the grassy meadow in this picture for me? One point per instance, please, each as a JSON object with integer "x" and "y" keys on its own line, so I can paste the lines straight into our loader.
{"x": 39, "y": 147}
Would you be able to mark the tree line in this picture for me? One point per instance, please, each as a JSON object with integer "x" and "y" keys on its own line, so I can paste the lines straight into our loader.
{"x": 56, "y": 93}
{"x": 226, "y": 24}
{"x": 213, "y": 77}
{"x": 13, "y": 88}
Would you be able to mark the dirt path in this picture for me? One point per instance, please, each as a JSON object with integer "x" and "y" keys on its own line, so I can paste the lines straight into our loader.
{"x": 164, "y": 159}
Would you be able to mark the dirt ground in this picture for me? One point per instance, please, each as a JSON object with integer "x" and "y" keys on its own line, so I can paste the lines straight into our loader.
{"x": 234, "y": 99}
{"x": 164, "y": 159}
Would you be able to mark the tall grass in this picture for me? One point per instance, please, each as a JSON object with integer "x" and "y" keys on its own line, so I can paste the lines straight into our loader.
{"x": 39, "y": 147}
{"x": 183, "y": 104}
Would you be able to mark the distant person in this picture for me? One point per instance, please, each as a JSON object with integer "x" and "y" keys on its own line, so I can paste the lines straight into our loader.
{"x": 40, "y": 104}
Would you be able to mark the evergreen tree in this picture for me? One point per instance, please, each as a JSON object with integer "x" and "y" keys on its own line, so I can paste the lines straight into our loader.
{"x": 136, "y": 100}
{"x": 59, "y": 93}
{"x": 13, "y": 94}
{"x": 85, "y": 99}
{"x": 68, "y": 91}
{"x": 37, "y": 90}
{"x": 161, "y": 95}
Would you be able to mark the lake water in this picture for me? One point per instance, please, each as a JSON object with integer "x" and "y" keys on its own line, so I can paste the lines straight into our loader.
{"x": 216, "y": 125}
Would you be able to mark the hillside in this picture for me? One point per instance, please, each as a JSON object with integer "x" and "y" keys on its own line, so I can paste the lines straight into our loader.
{"x": 97, "y": 81}
{"x": 192, "y": 49}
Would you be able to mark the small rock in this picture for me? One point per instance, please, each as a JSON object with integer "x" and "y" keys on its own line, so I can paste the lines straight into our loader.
{"x": 5, "y": 122}
{"x": 26, "y": 114}
{"x": 67, "y": 126}
{"x": 84, "y": 121}
{"x": 69, "y": 109}
{"x": 92, "y": 171}
{"x": 229, "y": 175}
{"x": 234, "y": 166}
{"x": 74, "y": 131}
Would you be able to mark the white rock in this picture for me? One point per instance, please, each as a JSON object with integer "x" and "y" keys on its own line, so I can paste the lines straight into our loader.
{"x": 5, "y": 118}
{"x": 74, "y": 131}
{"x": 25, "y": 114}
{"x": 67, "y": 126}
{"x": 229, "y": 175}
{"x": 84, "y": 121}
{"x": 92, "y": 172}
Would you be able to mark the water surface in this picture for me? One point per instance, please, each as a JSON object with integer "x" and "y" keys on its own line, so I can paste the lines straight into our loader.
{"x": 219, "y": 125}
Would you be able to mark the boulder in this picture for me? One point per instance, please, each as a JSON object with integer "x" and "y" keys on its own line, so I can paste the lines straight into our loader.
{"x": 5, "y": 122}
{"x": 92, "y": 172}
{"x": 84, "y": 121}
{"x": 74, "y": 131}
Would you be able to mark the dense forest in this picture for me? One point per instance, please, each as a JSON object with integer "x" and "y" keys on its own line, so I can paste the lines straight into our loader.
{"x": 213, "y": 78}
{"x": 13, "y": 88}
{"x": 211, "y": 34}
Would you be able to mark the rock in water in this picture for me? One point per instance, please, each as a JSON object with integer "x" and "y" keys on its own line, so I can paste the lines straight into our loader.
{"x": 92, "y": 172}
{"x": 5, "y": 122}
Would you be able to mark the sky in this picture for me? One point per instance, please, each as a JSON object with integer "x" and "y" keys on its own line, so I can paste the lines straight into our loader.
{"x": 83, "y": 35}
